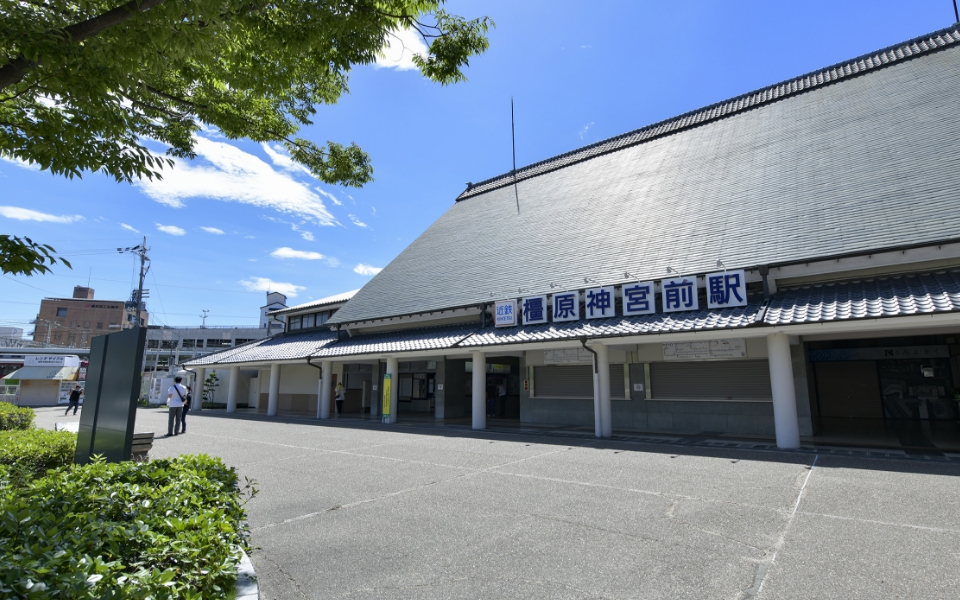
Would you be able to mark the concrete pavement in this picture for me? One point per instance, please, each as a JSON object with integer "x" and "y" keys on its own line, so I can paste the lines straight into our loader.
{"x": 352, "y": 509}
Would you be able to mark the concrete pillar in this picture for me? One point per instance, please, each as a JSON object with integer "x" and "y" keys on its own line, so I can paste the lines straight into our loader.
{"x": 232, "y": 389}
{"x": 198, "y": 389}
{"x": 326, "y": 389}
{"x": 784, "y": 396}
{"x": 393, "y": 370}
{"x": 479, "y": 390}
{"x": 273, "y": 398}
{"x": 603, "y": 389}
{"x": 376, "y": 391}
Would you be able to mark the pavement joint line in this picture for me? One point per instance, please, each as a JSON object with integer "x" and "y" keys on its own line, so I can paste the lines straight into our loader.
{"x": 399, "y": 492}
{"x": 876, "y": 522}
{"x": 763, "y": 569}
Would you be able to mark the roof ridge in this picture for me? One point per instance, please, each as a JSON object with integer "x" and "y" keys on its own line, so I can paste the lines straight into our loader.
{"x": 865, "y": 63}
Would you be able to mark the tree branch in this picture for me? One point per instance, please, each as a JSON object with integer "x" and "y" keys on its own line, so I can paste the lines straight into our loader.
{"x": 13, "y": 72}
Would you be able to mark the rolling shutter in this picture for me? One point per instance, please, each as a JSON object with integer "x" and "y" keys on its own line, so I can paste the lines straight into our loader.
{"x": 711, "y": 380}
{"x": 573, "y": 381}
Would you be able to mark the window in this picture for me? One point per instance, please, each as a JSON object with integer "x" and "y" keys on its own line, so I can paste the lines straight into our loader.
{"x": 322, "y": 317}
{"x": 56, "y": 336}
{"x": 168, "y": 344}
{"x": 211, "y": 343}
{"x": 188, "y": 343}
{"x": 153, "y": 343}
{"x": 239, "y": 341}
{"x": 86, "y": 324}
{"x": 294, "y": 324}
{"x": 309, "y": 320}
{"x": 99, "y": 325}
{"x": 61, "y": 312}
{"x": 70, "y": 338}
{"x": 73, "y": 324}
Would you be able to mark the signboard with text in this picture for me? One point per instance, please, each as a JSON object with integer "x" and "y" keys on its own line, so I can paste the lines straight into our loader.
{"x": 387, "y": 387}
{"x": 506, "y": 313}
{"x": 706, "y": 350}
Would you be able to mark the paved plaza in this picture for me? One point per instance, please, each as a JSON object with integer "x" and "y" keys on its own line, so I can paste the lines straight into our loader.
{"x": 353, "y": 509}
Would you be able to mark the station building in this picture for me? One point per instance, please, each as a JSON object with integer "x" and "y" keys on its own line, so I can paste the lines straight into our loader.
{"x": 785, "y": 263}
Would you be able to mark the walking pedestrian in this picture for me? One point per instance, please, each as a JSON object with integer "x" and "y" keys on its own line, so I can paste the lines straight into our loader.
{"x": 186, "y": 408}
{"x": 75, "y": 394}
{"x": 176, "y": 395}
{"x": 340, "y": 394}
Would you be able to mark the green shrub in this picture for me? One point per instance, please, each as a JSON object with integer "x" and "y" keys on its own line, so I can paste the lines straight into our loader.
{"x": 15, "y": 417}
{"x": 28, "y": 454}
{"x": 163, "y": 529}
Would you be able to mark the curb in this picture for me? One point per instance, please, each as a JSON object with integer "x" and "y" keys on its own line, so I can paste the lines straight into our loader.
{"x": 247, "y": 587}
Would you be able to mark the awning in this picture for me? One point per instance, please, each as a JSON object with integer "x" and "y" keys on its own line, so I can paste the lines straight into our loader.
{"x": 403, "y": 340}
{"x": 285, "y": 346}
{"x": 894, "y": 296}
{"x": 50, "y": 373}
{"x": 659, "y": 323}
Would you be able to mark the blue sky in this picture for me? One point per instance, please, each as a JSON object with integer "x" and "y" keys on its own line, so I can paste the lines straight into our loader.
{"x": 242, "y": 218}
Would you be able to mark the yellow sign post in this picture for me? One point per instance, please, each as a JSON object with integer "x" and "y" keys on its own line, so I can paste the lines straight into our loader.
{"x": 387, "y": 384}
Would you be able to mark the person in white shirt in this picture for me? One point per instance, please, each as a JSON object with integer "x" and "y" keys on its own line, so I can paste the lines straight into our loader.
{"x": 175, "y": 399}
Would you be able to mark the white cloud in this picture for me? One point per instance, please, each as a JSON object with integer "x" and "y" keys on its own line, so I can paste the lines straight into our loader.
{"x": 279, "y": 157}
{"x": 20, "y": 163}
{"x": 363, "y": 269}
{"x": 171, "y": 229}
{"x": 307, "y": 235}
{"x": 291, "y": 253}
{"x": 357, "y": 221}
{"x": 224, "y": 172}
{"x": 373, "y": 209}
{"x": 332, "y": 262}
{"x": 263, "y": 284}
{"x": 25, "y": 214}
{"x": 129, "y": 228}
{"x": 213, "y": 230}
{"x": 399, "y": 49}
{"x": 329, "y": 196}
{"x": 586, "y": 128}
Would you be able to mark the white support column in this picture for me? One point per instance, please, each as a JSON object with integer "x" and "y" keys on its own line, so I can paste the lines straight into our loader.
{"x": 232, "y": 389}
{"x": 273, "y": 398}
{"x": 784, "y": 396}
{"x": 603, "y": 387}
{"x": 323, "y": 394}
{"x": 479, "y": 390}
{"x": 198, "y": 389}
{"x": 393, "y": 369}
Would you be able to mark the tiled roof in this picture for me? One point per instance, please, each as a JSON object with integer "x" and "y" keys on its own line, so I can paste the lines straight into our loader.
{"x": 404, "y": 340}
{"x": 291, "y": 346}
{"x": 779, "y": 91}
{"x": 867, "y": 299}
{"x": 337, "y": 299}
{"x": 702, "y": 320}
{"x": 864, "y": 164}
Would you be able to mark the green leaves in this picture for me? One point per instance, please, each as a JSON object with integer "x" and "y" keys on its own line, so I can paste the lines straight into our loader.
{"x": 23, "y": 256}
{"x": 101, "y": 531}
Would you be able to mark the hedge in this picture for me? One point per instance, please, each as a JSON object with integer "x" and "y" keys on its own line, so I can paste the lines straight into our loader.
{"x": 26, "y": 455}
{"x": 169, "y": 528}
{"x": 14, "y": 417}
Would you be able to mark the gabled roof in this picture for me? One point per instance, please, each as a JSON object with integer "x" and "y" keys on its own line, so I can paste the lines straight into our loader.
{"x": 852, "y": 159}
{"x": 283, "y": 346}
{"x": 322, "y": 302}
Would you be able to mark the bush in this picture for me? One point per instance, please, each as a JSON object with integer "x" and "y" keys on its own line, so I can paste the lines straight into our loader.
{"x": 26, "y": 455}
{"x": 14, "y": 417}
{"x": 163, "y": 529}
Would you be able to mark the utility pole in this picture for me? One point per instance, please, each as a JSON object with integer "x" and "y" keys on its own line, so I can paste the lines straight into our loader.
{"x": 204, "y": 317}
{"x": 141, "y": 251}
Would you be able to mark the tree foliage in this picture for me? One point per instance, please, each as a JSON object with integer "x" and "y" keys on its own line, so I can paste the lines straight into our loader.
{"x": 23, "y": 256}
{"x": 84, "y": 83}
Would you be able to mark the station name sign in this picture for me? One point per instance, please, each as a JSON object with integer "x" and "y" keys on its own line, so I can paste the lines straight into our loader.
{"x": 725, "y": 289}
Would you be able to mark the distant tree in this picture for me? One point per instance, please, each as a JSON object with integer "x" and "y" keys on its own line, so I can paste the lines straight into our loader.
{"x": 82, "y": 84}
{"x": 210, "y": 385}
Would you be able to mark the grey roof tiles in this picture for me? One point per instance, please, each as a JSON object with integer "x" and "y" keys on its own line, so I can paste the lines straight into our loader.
{"x": 872, "y": 298}
{"x": 404, "y": 340}
{"x": 865, "y": 163}
{"x": 289, "y": 346}
{"x": 702, "y": 320}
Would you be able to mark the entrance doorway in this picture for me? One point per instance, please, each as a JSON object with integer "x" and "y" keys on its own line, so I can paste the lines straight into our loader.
{"x": 893, "y": 392}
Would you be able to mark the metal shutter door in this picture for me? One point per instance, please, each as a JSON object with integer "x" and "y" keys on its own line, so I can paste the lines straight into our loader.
{"x": 711, "y": 380}
{"x": 566, "y": 381}
{"x": 574, "y": 381}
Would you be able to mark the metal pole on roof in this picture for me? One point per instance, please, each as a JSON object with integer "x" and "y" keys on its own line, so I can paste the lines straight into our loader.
{"x": 956, "y": 15}
{"x": 513, "y": 141}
